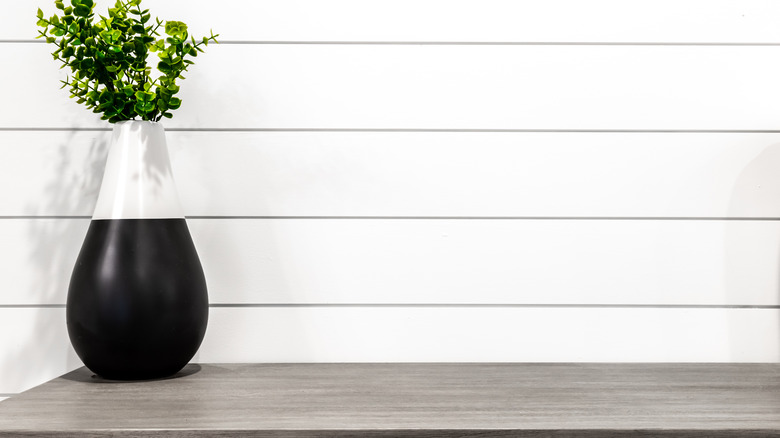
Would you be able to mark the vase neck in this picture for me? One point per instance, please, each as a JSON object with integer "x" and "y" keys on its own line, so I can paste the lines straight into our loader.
{"x": 138, "y": 182}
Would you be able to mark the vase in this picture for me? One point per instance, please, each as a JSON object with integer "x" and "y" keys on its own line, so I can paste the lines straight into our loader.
{"x": 137, "y": 304}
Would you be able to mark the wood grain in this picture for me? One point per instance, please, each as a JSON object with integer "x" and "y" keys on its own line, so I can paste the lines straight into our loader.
{"x": 411, "y": 400}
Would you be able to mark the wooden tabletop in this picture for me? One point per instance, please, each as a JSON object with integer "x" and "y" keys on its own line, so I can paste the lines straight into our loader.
{"x": 409, "y": 400}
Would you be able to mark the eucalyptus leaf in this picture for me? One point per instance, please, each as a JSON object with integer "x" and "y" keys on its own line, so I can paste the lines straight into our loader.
{"x": 108, "y": 57}
{"x": 81, "y": 11}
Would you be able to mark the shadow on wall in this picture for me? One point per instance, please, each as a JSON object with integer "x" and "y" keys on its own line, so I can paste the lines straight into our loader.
{"x": 240, "y": 286}
{"x": 754, "y": 334}
{"x": 54, "y": 238}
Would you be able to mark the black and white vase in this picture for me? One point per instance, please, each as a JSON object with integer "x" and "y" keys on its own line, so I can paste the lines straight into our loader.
{"x": 137, "y": 303}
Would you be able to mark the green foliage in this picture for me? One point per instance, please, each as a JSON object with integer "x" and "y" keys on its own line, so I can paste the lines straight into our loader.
{"x": 107, "y": 58}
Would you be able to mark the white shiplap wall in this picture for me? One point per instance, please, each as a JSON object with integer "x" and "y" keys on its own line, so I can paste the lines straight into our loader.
{"x": 433, "y": 180}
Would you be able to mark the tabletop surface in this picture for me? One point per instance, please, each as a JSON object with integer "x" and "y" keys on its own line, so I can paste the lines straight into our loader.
{"x": 408, "y": 400}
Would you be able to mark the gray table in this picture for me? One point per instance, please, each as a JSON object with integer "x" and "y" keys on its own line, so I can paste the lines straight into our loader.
{"x": 409, "y": 400}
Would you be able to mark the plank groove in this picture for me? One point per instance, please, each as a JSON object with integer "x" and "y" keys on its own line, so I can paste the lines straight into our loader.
{"x": 411, "y": 400}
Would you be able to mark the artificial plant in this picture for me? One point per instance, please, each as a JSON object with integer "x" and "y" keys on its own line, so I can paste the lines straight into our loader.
{"x": 108, "y": 56}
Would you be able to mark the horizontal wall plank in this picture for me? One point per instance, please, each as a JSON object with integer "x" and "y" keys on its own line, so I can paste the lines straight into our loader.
{"x": 453, "y": 20}
{"x": 490, "y": 335}
{"x": 416, "y": 174}
{"x": 331, "y": 261}
{"x": 36, "y": 347}
{"x": 440, "y": 87}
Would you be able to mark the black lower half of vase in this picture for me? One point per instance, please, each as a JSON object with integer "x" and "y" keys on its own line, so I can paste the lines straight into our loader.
{"x": 137, "y": 303}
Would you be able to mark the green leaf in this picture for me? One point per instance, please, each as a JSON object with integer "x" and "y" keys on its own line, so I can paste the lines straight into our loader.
{"x": 138, "y": 28}
{"x": 143, "y": 108}
{"x": 144, "y": 96}
{"x": 82, "y": 11}
{"x": 42, "y": 23}
{"x": 174, "y": 103}
{"x": 176, "y": 29}
{"x": 40, "y": 13}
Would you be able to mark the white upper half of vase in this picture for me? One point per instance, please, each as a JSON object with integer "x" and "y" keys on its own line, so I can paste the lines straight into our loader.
{"x": 138, "y": 182}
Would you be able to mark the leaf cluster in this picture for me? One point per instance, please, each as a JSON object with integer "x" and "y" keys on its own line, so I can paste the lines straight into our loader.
{"x": 107, "y": 58}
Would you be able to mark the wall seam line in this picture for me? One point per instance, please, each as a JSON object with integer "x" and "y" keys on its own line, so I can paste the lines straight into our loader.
{"x": 464, "y": 43}
{"x": 450, "y": 305}
{"x": 413, "y": 130}
{"x": 434, "y": 218}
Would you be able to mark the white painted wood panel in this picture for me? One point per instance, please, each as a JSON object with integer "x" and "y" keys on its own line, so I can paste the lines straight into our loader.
{"x": 39, "y": 255}
{"x": 36, "y": 348}
{"x": 453, "y": 20}
{"x": 490, "y": 335}
{"x": 438, "y": 261}
{"x": 441, "y": 87}
{"x": 416, "y": 174}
